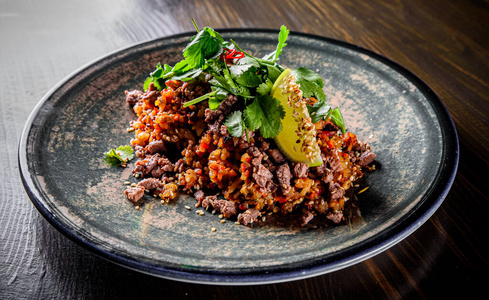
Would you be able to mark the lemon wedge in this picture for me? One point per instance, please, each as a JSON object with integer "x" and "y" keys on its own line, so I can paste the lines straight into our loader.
{"x": 287, "y": 139}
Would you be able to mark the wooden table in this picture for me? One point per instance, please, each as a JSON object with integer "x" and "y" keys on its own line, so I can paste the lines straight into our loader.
{"x": 445, "y": 43}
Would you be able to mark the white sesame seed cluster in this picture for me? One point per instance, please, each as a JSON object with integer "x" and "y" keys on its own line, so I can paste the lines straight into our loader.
{"x": 305, "y": 131}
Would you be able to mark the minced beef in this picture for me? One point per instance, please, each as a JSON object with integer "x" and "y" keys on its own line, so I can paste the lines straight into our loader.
{"x": 190, "y": 150}
{"x": 284, "y": 176}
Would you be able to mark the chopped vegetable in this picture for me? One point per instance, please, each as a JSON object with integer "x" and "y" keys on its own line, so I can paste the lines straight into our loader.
{"x": 250, "y": 78}
{"x": 120, "y": 156}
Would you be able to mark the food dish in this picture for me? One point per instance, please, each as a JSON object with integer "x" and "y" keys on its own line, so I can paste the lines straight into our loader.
{"x": 68, "y": 182}
{"x": 249, "y": 139}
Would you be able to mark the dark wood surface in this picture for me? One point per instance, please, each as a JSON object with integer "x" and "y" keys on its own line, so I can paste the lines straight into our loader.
{"x": 445, "y": 43}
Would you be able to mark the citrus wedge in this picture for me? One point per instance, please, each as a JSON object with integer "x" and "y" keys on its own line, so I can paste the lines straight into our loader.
{"x": 286, "y": 140}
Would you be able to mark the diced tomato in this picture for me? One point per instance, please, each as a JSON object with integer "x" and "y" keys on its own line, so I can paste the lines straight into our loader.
{"x": 330, "y": 144}
{"x": 281, "y": 199}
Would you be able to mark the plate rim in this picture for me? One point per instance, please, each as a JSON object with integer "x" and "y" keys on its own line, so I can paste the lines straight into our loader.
{"x": 310, "y": 268}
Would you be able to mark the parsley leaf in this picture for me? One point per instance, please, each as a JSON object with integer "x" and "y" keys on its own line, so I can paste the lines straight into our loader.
{"x": 322, "y": 110}
{"x": 273, "y": 72}
{"x": 337, "y": 118}
{"x": 282, "y": 37}
{"x": 243, "y": 65}
{"x": 158, "y": 77}
{"x": 116, "y": 157}
{"x": 235, "y": 124}
{"x": 250, "y": 78}
{"x": 265, "y": 113}
{"x": 311, "y": 83}
{"x": 216, "y": 99}
{"x": 318, "y": 111}
{"x": 265, "y": 87}
{"x": 194, "y": 73}
{"x": 206, "y": 44}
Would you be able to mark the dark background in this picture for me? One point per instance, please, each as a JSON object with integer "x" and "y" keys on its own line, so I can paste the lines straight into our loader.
{"x": 445, "y": 43}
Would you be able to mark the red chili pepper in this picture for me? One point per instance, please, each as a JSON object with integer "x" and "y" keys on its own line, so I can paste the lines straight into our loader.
{"x": 231, "y": 54}
{"x": 282, "y": 199}
{"x": 330, "y": 144}
{"x": 329, "y": 133}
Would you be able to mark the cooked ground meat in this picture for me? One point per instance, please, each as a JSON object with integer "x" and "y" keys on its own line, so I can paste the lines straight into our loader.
{"x": 157, "y": 146}
{"x": 133, "y": 97}
{"x": 276, "y": 155}
{"x": 189, "y": 150}
{"x": 262, "y": 176}
{"x": 226, "y": 207}
{"x": 335, "y": 217}
{"x": 199, "y": 195}
{"x": 134, "y": 193}
{"x": 306, "y": 218}
{"x": 250, "y": 216}
{"x": 284, "y": 176}
{"x": 366, "y": 158}
{"x": 300, "y": 170}
{"x": 335, "y": 190}
{"x": 150, "y": 183}
{"x": 223, "y": 110}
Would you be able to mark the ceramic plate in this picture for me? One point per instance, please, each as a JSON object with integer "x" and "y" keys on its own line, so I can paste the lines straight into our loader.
{"x": 61, "y": 164}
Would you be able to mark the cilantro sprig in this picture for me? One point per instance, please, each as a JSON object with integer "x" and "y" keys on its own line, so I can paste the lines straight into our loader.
{"x": 120, "y": 156}
{"x": 248, "y": 77}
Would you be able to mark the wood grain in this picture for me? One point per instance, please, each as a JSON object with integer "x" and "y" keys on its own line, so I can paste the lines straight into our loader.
{"x": 445, "y": 43}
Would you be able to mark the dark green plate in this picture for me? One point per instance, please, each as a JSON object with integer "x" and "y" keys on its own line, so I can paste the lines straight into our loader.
{"x": 61, "y": 164}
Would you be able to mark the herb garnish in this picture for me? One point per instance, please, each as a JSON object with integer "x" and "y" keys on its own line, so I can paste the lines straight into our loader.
{"x": 250, "y": 78}
{"x": 120, "y": 156}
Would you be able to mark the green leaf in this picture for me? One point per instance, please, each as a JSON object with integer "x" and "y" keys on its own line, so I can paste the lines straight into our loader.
{"x": 216, "y": 99}
{"x": 337, "y": 118}
{"x": 318, "y": 111}
{"x": 250, "y": 78}
{"x": 282, "y": 37}
{"x": 189, "y": 75}
{"x": 235, "y": 124}
{"x": 265, "y": 87}
{"x": 253, "y": 115}
{"x": 206, "y": 44}
{"x": 181, "y": 67}
{"x": 273, "y": 72}
{"x": 122, "y": 154}
{"x": 265, "y": 113}
{"x": 158, "y": 77}
{"x": 214, "y": 103}
{"x": 310, "y": 82}
{"x": 243, "y": 65}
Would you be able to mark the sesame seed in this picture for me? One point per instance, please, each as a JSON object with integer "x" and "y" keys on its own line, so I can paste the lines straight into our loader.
{"x": 213, "y": 229}
{"x": 223, "y": 221}
{"x": 187, "y": 207}
{"x": 133, "y": 184}
{"x": 127, "y": 182}
{"x": 137, "y": 207}
{"x": 363, "y": 190}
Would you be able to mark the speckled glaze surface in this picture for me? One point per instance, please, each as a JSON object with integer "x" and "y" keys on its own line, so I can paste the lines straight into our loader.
{"x": 61, "y": 164}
